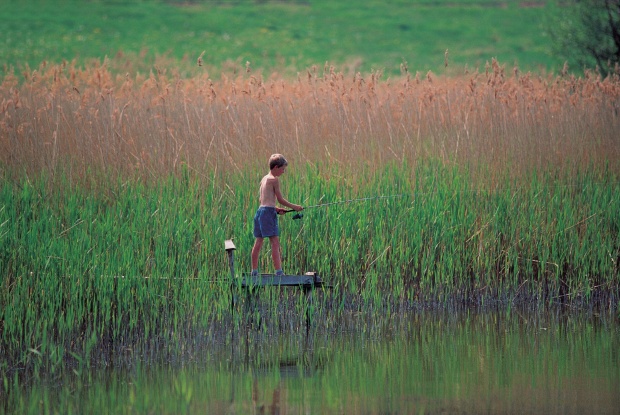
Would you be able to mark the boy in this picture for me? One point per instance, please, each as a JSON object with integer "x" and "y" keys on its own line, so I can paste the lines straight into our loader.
{"x": 266, "y": 219}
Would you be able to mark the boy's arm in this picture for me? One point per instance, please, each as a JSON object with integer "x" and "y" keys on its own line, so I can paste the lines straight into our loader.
{"x": 281, "y": 199}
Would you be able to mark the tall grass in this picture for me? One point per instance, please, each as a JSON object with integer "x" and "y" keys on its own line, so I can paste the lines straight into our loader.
{"x": 117, "y": 193}
{"x": 149, "y": 125}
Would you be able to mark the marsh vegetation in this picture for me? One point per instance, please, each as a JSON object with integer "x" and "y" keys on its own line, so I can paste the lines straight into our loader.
{"x": 118, "y": 192}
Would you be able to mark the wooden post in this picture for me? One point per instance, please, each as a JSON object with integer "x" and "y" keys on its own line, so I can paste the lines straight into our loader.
{"x": 308, "y": 291}
{"x": 309, "y": 309}
{"x": 230, "y": 249}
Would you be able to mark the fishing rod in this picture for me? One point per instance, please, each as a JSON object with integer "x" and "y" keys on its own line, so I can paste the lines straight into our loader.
{"x": 300, "y": 215}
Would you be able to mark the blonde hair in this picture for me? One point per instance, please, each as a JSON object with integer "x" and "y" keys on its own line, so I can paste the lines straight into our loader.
{"x": 277, "y": 160}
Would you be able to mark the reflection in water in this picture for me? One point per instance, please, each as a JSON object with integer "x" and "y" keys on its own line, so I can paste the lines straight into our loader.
{"x": 292, "y": 362}
{"x": 406, "y": 363}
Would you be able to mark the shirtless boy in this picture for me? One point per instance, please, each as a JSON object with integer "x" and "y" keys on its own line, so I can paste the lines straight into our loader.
{"x": 266, "y": 217}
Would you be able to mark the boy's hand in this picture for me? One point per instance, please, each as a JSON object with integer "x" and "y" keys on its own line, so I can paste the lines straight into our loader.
{"x": 282, "y": 211}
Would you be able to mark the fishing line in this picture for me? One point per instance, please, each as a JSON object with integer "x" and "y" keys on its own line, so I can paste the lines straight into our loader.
{"x": 300, "y": 215}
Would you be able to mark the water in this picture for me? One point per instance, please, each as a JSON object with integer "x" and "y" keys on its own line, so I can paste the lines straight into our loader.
{"x": 407, "y": 363}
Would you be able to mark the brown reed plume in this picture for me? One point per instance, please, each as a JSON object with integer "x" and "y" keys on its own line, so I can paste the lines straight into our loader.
{"x": 84, "y": 119}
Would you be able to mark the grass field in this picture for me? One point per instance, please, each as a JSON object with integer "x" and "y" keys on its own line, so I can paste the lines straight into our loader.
{"x": 283, "y": 36}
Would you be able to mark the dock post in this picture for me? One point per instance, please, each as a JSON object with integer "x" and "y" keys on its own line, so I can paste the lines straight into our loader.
{"x": 309, "y": 308}
{"x": 230, "y": 250}
{"x": 308, "y": 292}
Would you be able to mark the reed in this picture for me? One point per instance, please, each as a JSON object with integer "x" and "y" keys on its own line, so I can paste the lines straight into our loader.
{"x": 97, "y": 273}
{"x": 80, "y": 119}
{"x": 117, "y": 193}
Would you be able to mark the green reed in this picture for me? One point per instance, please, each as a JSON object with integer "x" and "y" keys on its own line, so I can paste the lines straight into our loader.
{"x": 102, "y": 269}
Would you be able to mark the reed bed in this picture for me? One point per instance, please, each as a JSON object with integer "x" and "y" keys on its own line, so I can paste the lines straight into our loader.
{"x": 151, "y": 124}
{"x": 118, "y": 192}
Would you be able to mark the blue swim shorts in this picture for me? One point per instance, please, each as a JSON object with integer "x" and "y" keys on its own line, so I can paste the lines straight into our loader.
{"x": 266, "y": 222}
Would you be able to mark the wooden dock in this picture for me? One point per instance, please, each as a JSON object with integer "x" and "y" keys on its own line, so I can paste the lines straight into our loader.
{"x": 307, "y": 283}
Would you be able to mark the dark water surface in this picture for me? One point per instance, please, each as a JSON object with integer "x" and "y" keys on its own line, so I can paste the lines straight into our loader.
{"x": 413, "y": 363}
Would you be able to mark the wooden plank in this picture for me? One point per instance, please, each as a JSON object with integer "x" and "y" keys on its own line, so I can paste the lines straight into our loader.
{"x": 265, "y": 280}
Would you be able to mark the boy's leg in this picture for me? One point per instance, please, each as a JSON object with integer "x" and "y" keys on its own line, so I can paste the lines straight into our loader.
{"x": 275, "y": 252}
{"x": 258, "y": 244}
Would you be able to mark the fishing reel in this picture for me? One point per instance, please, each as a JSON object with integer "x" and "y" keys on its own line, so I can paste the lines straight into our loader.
{"x": 296, "y": 216}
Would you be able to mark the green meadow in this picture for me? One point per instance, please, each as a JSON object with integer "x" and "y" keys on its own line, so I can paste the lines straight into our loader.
{"x": 283, "y": 36}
